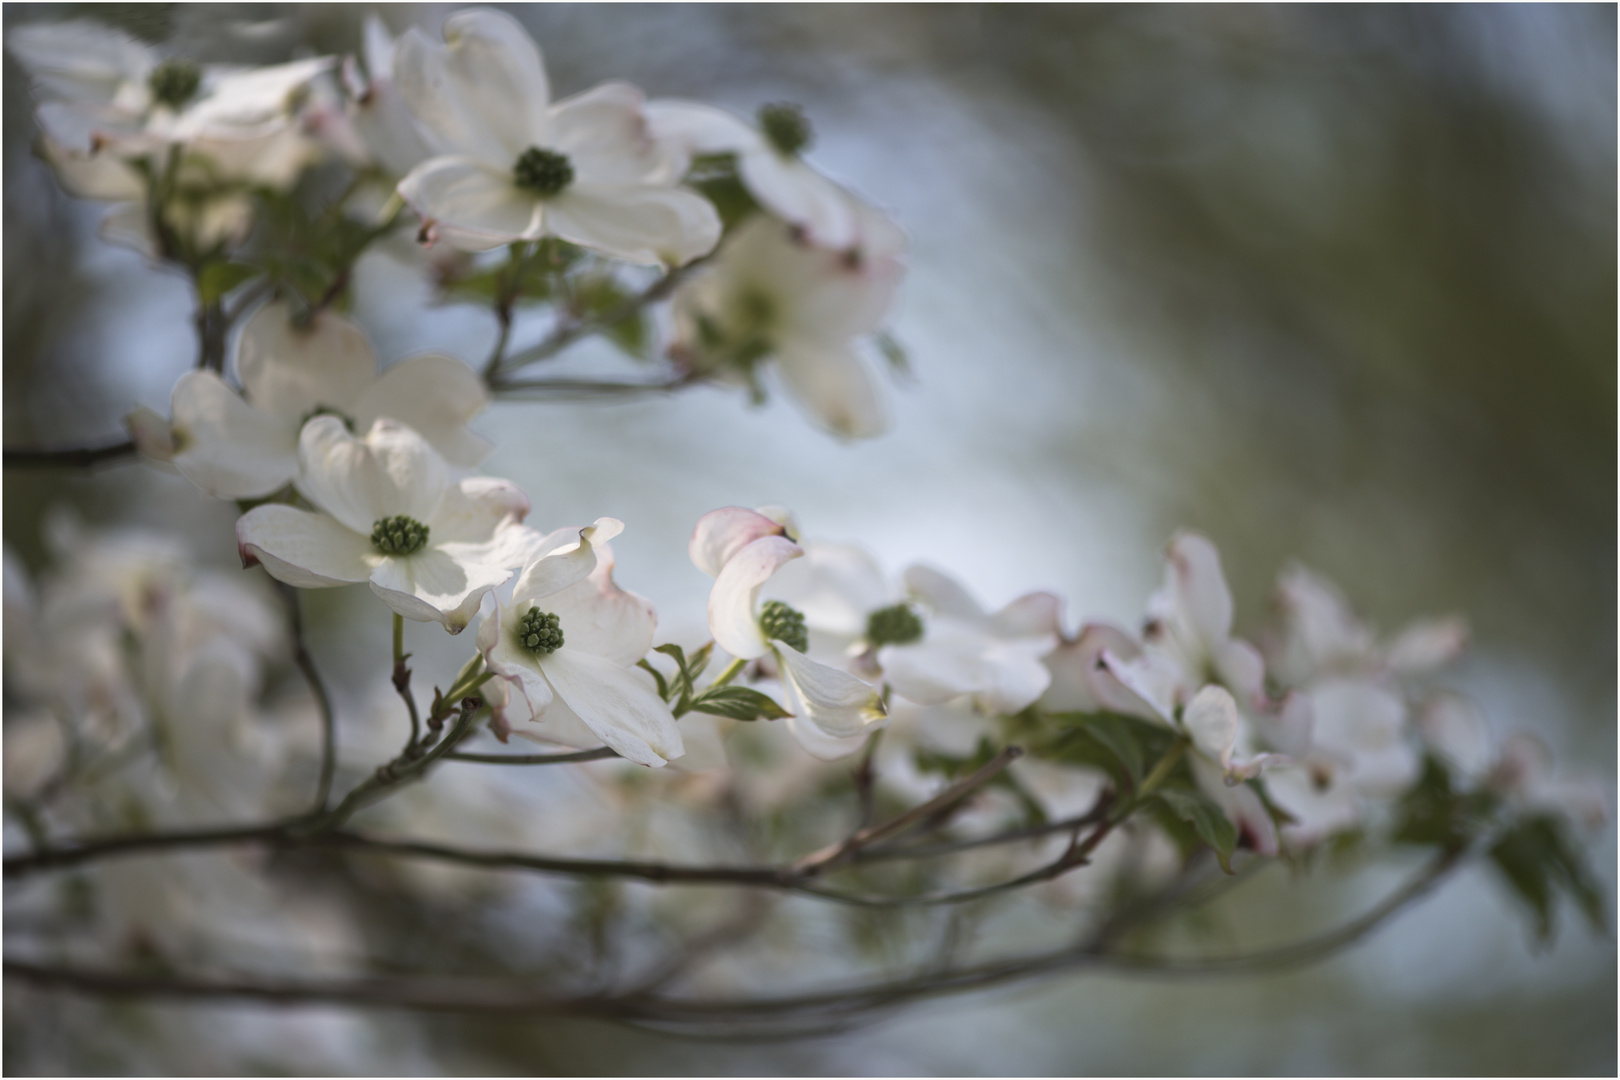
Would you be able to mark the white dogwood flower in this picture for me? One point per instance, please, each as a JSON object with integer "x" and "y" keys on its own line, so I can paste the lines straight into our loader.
{"x": 742, "y": 549}
{"x": 514, "y": 166}
{"x": 771, "y": 296}
{"x": 389, "y": 514}
{"x": 246, "y": 445}
{"x": 768, "y": 163}
{"x": 102, "y": 89}
{"x": 568, "y": 644}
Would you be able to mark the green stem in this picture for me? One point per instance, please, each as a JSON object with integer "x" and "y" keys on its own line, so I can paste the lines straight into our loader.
{"x": 729, "y": 673}
{"x": 402, "y": 681}
{"x": 1162, "y": 769}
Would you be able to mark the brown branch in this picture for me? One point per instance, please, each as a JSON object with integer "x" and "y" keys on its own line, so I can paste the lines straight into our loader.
{"x": 601, "y": 753}
{"x": 323, "y": 701}
{"x": 68, "y": 456}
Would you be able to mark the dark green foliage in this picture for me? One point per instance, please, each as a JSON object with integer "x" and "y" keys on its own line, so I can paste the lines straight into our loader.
{"x": 1539, "y": 859}
{"x": 1191, "y": 812}
{"x": 738, "y": 703}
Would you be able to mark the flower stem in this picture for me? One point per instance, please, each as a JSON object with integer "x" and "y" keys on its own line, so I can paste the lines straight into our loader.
{"x": 729, "y": 673}
{"x": 1162, "y": 769}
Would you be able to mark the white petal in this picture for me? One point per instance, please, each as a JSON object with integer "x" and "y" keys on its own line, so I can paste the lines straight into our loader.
{"x": 292, "y": 371}
{"x": 247, "y": 101}
{"x": 821, "y": 745}
{"x": 80, "y": 61}
{"x": 1211, "y": 718}
{"x": 634, "y": 222}
{"x": 1452, "y": 726}
{"x": 1031, "y": 615}
{"x": 1240, "y": 667}
{"x": 472, "y": 204}
{"x": 391, "y": 471}
{"x": 224, "y": 445}
{"x": 836, "y": 586}
{"x": 606, "y": 138}
{"x": 103, "y": 177}
{"x": 835, "y": 385}
{"x": 483, "y": 92}
{"x": 835, "y": 701}
{"x": 617, "y": 703}
{"x": 153, "y": 434}
{"x": 731, "y": 602}
{"x": 473, "y": 510}
{"x": 308, "y": 550}
{"x": 1318, "y": 811}
{"x": 947, "y": 664}
{"x": 436, "y": 396}
{"x": 1241, "y": 805}
{"x": 1014, "y": 677}
{"x": 796, "y": 193}
{"x": 701, "y": 129}
{"x": 434, "y": 586}
{"x": 558, "y": 725}
{"x": 1080, "y": 680}
{"x": 1194, "y": 578}
{"x": 1150, "y": 682}
{"x": 599, "y": 618}
{"x": 722, "y": 533}
{"x": 941, "y": 593}
{"x": 561, "y": 559}
{"x": 1428, "y": 644}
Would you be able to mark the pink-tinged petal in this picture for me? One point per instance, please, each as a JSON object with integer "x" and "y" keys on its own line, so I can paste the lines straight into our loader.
{"x": 293, "y": 371}
{"x": 1241, "y": 805}
{"x": 1198, "y": 588}
{"x": 473, "y": 205}
{"x": 224, "y": 445}
{"x": 941, "y": 593}
{"x": 391, "y": 471}
{"x": 433, "y": 586}
{"x": 1240, "y": 667}
{"x": 838, "y": 296}
{"x": 605, "y": 136}
{"x": 308, "y": 550}
{"x": 1428, "y": 644}
{"x": 835, "y": 385}
{"x": 561, "y": 559}
{"x": 434, "y": 395}
{"x": 528, "y": 692}
{"x": 732, "y": 620}
{"x": 1032, "y": 615}
{"x": 483, "y": 92}
{"x": 835, "y": 701}
{"x": 1211, "y": 719}
{"x": 472, "y": 513}
{"x": 1080, "y": 680}
{"x": 616, "y": 703}
{"x": 797, "y": 194}
{"x": 722, "y": 533}
{"x": 640, "y": 224}
{"x": 821, "y": 745}
{"x": 701, "y": 129}
{"x": 599, "y": 618}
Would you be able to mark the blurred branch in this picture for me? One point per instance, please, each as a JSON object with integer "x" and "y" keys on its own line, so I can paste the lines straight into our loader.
{"x": 828, "y": 1007}
{"x": 323, "y": 701}
{"x": 575, "y": 389}
{"x": 601, "y": 753}
{"x": 72, "y": 457}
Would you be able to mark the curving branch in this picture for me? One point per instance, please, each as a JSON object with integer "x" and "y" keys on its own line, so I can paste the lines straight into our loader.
{"x": 805, "y": 1012}
{"x": 601, "y": 753}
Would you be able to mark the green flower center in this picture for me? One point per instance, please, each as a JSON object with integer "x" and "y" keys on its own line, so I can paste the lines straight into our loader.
{"x": 399, "y": 535}
{"x": 174, "y": 82}
{"x": 897, "y": 625}
{"x": 544, "y": 172}
{"x": 785, "y": 127}
{"x": 540, "y": 632}
{"x": 781, "y": 623}
{"x": 327, "y": 410}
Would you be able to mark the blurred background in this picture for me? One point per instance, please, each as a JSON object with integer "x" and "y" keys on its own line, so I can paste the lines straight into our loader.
{"x": 1334, "y": 285}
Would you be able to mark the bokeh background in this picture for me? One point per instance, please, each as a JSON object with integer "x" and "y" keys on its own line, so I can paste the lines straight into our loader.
{"x": 1329, "y": 284}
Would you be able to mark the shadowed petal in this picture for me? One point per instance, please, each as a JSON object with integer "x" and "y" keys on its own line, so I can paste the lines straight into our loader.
{"x": 616, "y": 703}
{"x": 224, "y": 445}
{"x": 308, "y": 550}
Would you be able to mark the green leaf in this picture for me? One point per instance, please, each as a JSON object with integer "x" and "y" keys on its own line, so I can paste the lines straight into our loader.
{"x": 1538, "y": 859}
{"x": 663, "y": 687}
{"x": 1121, "y": 746}
{"x": 681, "y": 686}
{"x": 1434, "y": 813}
{"x": 218, "y": 278}
{"x": 738, "y": 703}
{"x": 893, "y": 352}
{"x": 1209, "y": 823}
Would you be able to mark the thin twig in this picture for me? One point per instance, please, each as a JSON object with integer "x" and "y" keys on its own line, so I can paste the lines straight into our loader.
{"x": 574, "y": 389}
{"x": 601, "y": 753}
{"x": 402, "y": 681}
{"x": 323, "y": 702}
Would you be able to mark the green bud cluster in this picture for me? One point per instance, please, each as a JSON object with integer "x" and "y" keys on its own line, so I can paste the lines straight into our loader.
{"x": 399, "y": 535}
{"x": 781, "y": 623}
{"x": 540, "y": 632}
{"x": 174, "y": 82}
{"x": 544, "y": 172}
{"x": 785, "y": 127}
{"x": 896, "y": 625}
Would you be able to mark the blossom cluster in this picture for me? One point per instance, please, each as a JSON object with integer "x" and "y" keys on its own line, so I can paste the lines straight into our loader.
{"x": 148, "y": 686}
